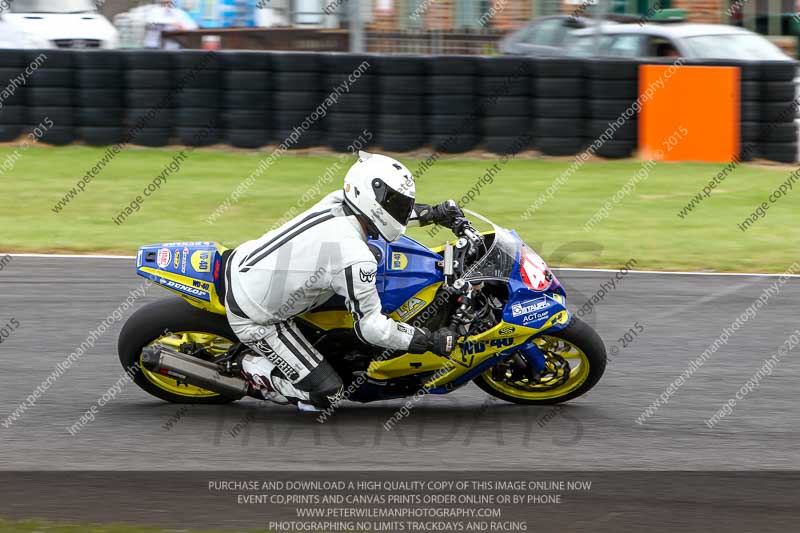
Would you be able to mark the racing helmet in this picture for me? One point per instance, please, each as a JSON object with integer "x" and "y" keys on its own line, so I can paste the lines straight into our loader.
{"x": 380, "y": 190}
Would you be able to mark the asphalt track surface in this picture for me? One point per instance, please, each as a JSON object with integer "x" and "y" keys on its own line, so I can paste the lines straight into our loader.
{"x": 57, "y": 301}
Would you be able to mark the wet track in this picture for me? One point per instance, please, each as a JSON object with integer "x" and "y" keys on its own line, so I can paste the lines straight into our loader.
{"x": 57, "y": 301}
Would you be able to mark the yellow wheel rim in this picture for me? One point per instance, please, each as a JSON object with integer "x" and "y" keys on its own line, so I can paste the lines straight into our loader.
{"x": 579, "y": 371}
{"x": 214, "y": 344}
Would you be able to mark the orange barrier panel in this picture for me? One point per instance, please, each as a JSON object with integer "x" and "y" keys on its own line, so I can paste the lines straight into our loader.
{"x": 702, "y": 102}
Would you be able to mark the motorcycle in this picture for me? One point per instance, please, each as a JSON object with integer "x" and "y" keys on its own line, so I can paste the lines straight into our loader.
{"x": 518, "y": 341}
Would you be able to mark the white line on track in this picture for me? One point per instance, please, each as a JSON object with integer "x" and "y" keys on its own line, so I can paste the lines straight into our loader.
{"x": 611, "y": 270}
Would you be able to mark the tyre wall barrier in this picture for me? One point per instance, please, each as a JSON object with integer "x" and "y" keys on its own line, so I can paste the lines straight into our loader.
{"x": 397, "y": 103}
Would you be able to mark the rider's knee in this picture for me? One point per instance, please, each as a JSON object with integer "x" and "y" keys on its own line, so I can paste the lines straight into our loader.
{"x": 323, "y": 385}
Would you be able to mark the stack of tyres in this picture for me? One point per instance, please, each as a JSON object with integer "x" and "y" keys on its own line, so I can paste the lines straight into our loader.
{"x": 452, "y": 86}
{"x": 400, "y": 103}
{"x": 13, "y": 112}
{"x": 149, "y": 97}
{"x": 350, "y": 81}
{"x": 296, "y": 95}
{"x": 246, "y": 98}
{"x": 559, "y": 106}
{"x": 613, "y": 88}
{"x": 198, "y": 90}
{"x": 51, "y": 95}
{"x": 779, "y": 111}
{"x": 100, "y": 97}
{"x": 504, "y": 98}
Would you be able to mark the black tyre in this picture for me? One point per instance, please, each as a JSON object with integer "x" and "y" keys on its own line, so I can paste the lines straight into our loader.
{"x": 612, "y": 69}
{"x": 339, "y": 142}
{"x": 245, "y": 60}
{"x": 462, "y": 124}
{"x": 614, "y": 89}
{"x": 48, "y": 97}
{"x": 296, "y": 101}
{"x": 349, "y": 122}
{"x": 751, "y": 91}
{"x": 61, "y": 116}
{"x": 454, "y": 143}
{"x": 245, "y": 119}
{"x": 98, "y": 79}
{"x": 230, "y": 99}
{"x": 15, "y": 58}
{"x": 245, "y": 80}
{"x": 610, "y": 109}
{"x": 559, "y": 146}
{"x": 362, "y": 85}
{"x": 559, "y": 107}
{"x": 148, "y": 79}
{"x": 241, "y": 138}
{"x": 412, "y": 124}
{"x": 780, "y": 152}
{"x": 152, "y": 137}
{"x": 616, "y": 149}
{"x": 196, "y": 60}
{"x": 13, "y": 114}
{"x": 506, "y": 66}
{"x": 560, "y": 68}
{"x": 55, "y": 58}
{"x": 577, "y": 335}
{"x": 99, "y": 98}
{"x": 444, "y": 85}
{"x": 147, "y": 59}
{"x": 343, "y": 63}
{"x": 397, "y": 84}
{"x": 306, "y": 139}
{"x": 10, "y": 132}
{"x": 506, "y": 126}
{"x": 452, "y": 65}
{"x": 558, "y": 87}
{"x": 459, "y": 104}
{"x": 750, "y": 111}
{"x": 778, "y": 70}
{"x": 504, "y": 106}
{"x": 778, "y": 111}
{"x": 397, "y": 104}
{"x": 111, "y": 60}
{"x": 779, "y": 91}
{"x": 149, "y": 117}
{"x": 288, "y": 120}
{"x": 292, "y": 81}
{"x": 58, "y": 136}
{"x": 198, "y": 98}
{"x": 399, "y": 65}
{"x": 400, "y": 142}
{"x": 504, "y": 86}
{"x": 198, "y": 136}
{"x": 54, "y": 77}
{"x": 148, "y": 324}
{"x": 780, "y": 133}
{"x": 563, "y": 127}
{"x": 99, "y": 116}
{"x": 506, "y": 144}
{"x": 101, "y": 136}
{"x": 196, "y": 117}
{"x": 353, "y": 103}
{"x": 150, "y": 98}
{"x": 629, "y": 131}
{"x": 295, "y": 62}
{"x": 197, "y": 79}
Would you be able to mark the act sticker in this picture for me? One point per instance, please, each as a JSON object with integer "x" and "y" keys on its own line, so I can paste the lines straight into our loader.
{"x": 201, "y": 261}
{"x": 183, "y": 261}
{"x": 399, "y": 261}
{"x": 163, "y": 257}
{"x": 410, "y": 307}
{"x": 177, "y": 261}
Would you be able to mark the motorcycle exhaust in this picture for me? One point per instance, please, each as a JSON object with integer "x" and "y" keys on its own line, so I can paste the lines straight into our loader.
{"x": 187, "y": 369}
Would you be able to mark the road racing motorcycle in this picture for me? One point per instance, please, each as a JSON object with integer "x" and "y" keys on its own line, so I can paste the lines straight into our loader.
{"x": 518, "y": 341}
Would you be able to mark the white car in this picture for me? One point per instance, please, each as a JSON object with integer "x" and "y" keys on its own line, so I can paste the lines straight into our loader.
{"x": 54, "y": 24}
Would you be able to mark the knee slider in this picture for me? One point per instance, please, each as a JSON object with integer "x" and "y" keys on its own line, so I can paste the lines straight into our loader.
{"x": 323, "y": 385}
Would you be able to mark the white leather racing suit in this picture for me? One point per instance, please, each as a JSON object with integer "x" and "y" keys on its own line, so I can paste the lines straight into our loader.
{"x": 297, "y": 267}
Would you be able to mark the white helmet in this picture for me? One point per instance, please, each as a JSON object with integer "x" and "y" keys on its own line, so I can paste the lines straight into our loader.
{"x": 380, "y": 190}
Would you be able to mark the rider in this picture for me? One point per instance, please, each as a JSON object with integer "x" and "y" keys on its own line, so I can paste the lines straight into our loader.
{"x": 319, "y": 253}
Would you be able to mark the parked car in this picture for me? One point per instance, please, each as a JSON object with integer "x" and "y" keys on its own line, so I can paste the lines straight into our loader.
{"x": 55, "y": 24}
{"x": 581, "y": 37}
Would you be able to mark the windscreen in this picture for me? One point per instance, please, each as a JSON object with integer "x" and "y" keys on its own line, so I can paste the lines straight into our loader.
{"x": 497, "y": 262}
{"x": 747, "y": 47}
{"x": 51, "y": 6}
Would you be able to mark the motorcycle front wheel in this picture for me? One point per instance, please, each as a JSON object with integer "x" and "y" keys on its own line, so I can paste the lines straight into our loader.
{"x": 575, "y": 362}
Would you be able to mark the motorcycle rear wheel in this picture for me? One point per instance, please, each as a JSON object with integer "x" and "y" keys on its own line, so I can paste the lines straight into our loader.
{"x": 175, "y": 323}
{"x": 579, "y": 344}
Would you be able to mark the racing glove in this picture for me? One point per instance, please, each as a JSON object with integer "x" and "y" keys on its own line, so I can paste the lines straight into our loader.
{"x": 443, "y": 214}
{"x": 441, "y": 342}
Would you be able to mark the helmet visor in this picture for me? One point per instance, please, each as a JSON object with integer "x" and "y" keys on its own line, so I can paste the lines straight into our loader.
{"x": 397, "y": 204}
